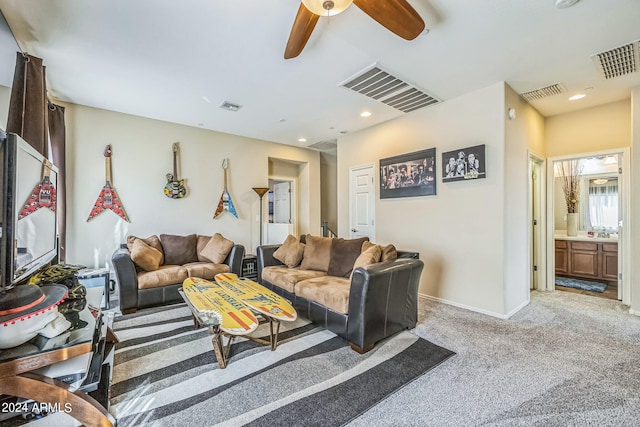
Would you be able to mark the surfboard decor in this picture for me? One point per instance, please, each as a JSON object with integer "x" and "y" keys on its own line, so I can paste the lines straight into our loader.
{"x": 225, "y": 203}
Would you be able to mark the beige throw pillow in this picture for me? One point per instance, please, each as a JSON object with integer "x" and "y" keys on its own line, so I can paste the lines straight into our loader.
{"x": 217, "y": 249}
{"x": 370, "y": 256}
{"x": 389, "y": 252}
{"x": 290, "y": 253}
{"x": 153, "y": 241}
{"x": 145, "y": 256}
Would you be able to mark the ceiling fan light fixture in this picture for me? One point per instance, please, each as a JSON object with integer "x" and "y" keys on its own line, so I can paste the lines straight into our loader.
{"x": 327, "y": 7}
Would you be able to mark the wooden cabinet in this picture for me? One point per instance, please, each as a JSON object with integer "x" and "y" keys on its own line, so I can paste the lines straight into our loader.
{"x": 589, "y": 260}
{"x": 562, "y": 257}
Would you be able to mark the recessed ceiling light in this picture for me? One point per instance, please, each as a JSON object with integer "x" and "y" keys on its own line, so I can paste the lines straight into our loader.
{"x": 576, "y": 97}
{"x": 302, "y": 139}
{"x": 365, "y": 114}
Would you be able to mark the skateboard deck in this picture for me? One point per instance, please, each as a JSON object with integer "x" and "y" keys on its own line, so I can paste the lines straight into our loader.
{"x": 210, "y": 298}
{"x": 257, "y": 297}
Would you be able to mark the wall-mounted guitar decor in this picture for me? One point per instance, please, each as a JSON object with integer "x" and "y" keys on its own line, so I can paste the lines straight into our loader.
{"x": 225, "y": 203}
{"x": 42, "y": 196}
{"x": 108, "y": 198}
{"x": 175, "y": 188}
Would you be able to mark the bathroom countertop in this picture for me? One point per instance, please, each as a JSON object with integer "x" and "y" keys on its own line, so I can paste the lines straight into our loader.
{"x": 582, "y": 236}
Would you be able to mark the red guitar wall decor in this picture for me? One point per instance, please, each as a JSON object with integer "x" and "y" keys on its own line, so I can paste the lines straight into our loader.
{"x": 108, "y": 198}
{"x": 43, "y": 194}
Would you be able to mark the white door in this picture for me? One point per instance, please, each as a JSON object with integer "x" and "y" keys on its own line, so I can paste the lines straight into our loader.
{"x": 362, "y": 195}
{"x": 282, "y": 203}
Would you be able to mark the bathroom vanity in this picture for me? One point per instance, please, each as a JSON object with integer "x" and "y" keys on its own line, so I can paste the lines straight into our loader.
{"x": 587, "y": 257}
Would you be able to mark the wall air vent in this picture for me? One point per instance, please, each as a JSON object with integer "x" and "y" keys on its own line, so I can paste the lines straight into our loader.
{"x": 324, "y": 145}
{"x": 388, "y": 89}
{"x": 230, "y": 106}
{"x": 618, "y": 62}
{"x": 543, "y": 92}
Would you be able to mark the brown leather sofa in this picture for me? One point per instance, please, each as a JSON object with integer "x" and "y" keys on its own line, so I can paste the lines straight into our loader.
{"x": 375, "y": 301}
{"x": 182, "y": 258}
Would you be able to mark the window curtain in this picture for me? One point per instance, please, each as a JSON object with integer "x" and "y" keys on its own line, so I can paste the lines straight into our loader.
{"x": 39, "y": 122}
{"x": 603, "y": 205}
{"x": 27, "y": 105}
{"x": 57, "y": 135}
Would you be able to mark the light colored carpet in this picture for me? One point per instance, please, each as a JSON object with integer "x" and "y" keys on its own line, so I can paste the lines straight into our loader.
{"x": 564, "y": 360}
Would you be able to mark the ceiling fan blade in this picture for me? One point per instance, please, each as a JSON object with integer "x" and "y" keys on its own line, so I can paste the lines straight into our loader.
{"x": 396, "y": 16}
{"x": 301, "y": 30}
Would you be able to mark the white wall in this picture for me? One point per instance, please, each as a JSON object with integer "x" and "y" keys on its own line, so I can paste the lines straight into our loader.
{"x": 5, "y": 94}
{"x": 635, "y": 202}
{"x": 142, "y": 156}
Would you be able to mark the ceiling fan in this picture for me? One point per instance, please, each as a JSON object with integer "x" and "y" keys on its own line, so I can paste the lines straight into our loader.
{"x": 395, "y": 15}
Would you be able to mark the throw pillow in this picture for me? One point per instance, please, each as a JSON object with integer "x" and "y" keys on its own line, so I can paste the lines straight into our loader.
{"x": 153, "y": 241}
{"x": 145, "y": 256}
{"x": 343, "y": 255}
{"x": 290, "y": 253}
{"x": 317, "y": 253}
{"x": 217, "y": 249}
{"x": 368, "y": 257}
{"x": 389, "y": 252}
{"x": 179, "y": 250}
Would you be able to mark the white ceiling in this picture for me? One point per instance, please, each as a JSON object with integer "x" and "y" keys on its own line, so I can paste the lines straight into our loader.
{"x": 179, "y": 60}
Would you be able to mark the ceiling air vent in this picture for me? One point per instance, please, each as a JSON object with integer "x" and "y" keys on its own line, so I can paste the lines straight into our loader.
{"x": 388, "y": 89}
{"x": 324, "y": 145}
{"x": 617, "y": 62}
{"x": 543, "y": 92}
{"x": 229, "y": 106}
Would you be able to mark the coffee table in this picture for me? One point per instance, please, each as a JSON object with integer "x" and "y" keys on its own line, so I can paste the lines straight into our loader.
{"x": 220, "y": 348}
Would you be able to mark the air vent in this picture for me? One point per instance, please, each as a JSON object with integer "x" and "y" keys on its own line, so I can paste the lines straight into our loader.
{"x": 324, "y": 145}
{"x": 543, "y": 92}
{"x": 388, "y": 89}
{"x": 229, "y": 106}
{"x": 617, "y": 62}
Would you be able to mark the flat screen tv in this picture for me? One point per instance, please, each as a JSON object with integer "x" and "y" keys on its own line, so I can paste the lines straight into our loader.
{"x": 28, "y": 228}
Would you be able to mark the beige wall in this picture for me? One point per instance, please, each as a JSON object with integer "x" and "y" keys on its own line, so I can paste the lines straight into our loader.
{"x": 141, "y": 158}
{"x": 459, "y": 232}
{"x": 635, "y": 202}
{"x": 329, "y": 190}
{"x": 599, "y": 128}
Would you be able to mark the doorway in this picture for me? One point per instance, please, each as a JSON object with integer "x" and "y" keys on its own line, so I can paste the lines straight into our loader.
{"x": 281, "y": 210}
{"x": 592, "y": 256}
{"x": 362, "y": 197}
{"x": 537, "y": 223}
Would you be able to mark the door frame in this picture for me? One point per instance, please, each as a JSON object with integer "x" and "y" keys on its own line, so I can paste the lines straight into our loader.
{"x": 624, "y": 235}
{"x": 373, "y": 205}
{"x": 538, "y": 232}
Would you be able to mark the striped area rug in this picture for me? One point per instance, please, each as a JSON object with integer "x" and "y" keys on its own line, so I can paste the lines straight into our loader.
{"x": 165, "y": 374}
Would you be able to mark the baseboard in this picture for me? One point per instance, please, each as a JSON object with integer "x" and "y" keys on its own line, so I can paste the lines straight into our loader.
{"x": 634, "y": 312}
{"x": 476, "y": 309}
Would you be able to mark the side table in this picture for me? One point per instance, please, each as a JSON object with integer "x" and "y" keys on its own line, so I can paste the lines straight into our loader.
{"x": 86, "y": 275}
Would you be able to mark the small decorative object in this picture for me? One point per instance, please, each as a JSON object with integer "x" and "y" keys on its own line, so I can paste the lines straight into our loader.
{"x": 569, "y": 172}
{"x": 261, "y": 191}
{"x": 225, "y": 203}
{"x": 408, "y": 175}
{"x": 175, "y": 188}
{"x": 464, "y": 163}
{"x": 43, "y": 194}
{"x": 108, "y": 198}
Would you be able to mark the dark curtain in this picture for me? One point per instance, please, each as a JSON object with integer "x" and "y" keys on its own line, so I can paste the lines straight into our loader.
{"x": 28, "y": 103}
{"x": 57, "y": 135}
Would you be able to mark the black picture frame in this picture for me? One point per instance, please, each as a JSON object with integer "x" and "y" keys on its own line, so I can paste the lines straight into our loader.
{"x": 464, "y": 164}
{"x": 408, "y": 175}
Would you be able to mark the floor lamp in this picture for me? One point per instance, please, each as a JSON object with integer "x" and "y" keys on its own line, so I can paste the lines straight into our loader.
{"x": 260, "y": 191}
